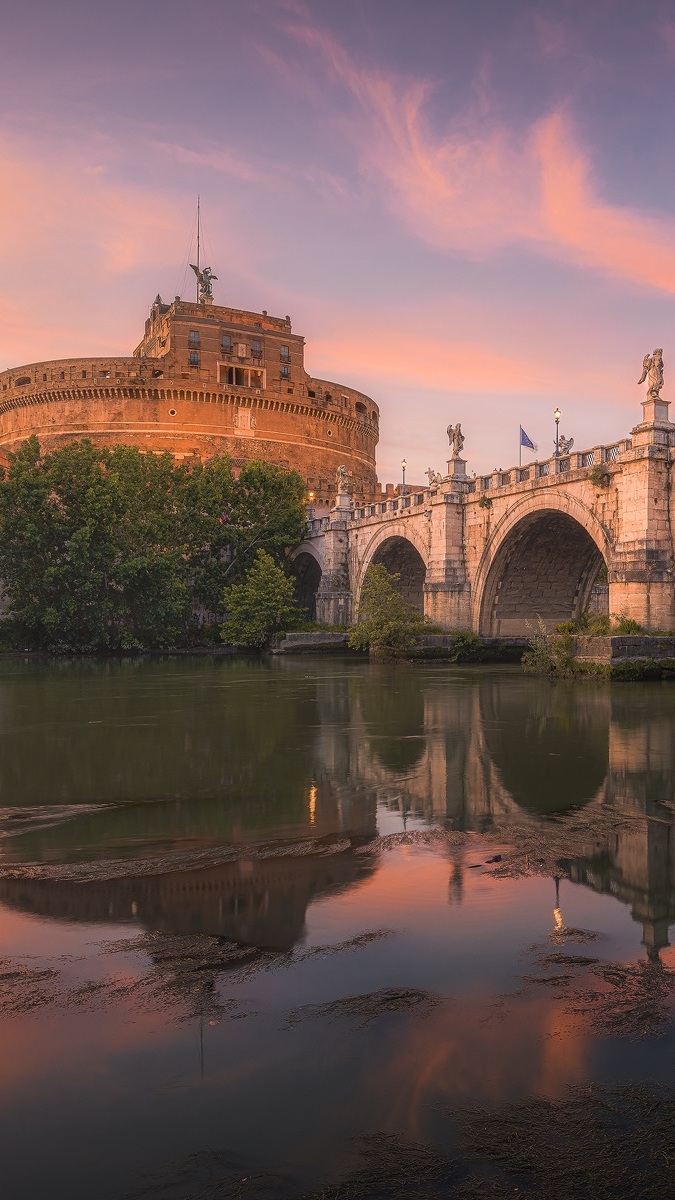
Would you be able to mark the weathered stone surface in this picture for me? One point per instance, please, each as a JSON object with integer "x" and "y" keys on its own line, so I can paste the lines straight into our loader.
{"x": 622, "y": 649}
{"x": 306, "y": 643}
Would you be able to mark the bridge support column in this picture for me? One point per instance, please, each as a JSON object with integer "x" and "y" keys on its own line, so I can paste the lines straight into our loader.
{"x": 334, "y": 597}
{"x": 447, "y": 592}
{"x": 642, "y": 571}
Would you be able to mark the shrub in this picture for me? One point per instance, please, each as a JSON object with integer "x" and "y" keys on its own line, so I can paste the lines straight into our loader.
{"x": 600, "y": 476}
{"x": 260, "y": 606}
{"x": 387, "y": 621}
{"x": 626, "y": 626}
{"x": 550, "y": 653}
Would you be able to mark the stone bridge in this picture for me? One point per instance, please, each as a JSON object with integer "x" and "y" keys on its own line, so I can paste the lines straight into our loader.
{"x": 494, "y": 554}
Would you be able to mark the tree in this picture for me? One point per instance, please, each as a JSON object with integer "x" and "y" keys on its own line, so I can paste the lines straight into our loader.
{"x": 227, "y": 520}
{"x": 107, "y": 549}
{"x": 386, "y": 620}
{"x": 260, "y": 605}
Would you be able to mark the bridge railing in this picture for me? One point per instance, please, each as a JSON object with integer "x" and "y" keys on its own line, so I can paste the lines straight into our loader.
{"x": 317, "y": 524}
{"x": 563, "y": 465}
{"x": 552, "y": 466}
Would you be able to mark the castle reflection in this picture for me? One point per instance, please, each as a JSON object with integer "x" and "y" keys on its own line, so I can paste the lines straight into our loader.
{"x": 242, "y": 756}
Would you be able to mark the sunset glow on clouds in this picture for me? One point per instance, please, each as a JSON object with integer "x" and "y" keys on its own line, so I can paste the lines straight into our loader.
{"x": 467, "y": 210}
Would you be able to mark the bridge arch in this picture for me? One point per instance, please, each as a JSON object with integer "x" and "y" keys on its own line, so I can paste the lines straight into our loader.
{"x": 308, "y": 571}
{"x": 399, "y": 549}
{"x": 541, "y": 561}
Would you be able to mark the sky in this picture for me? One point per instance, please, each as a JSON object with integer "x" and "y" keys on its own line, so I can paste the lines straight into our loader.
{"x": 467, "y": 207}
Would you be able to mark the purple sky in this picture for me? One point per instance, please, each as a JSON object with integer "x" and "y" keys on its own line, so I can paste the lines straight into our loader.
{"x": 467, "y": 208}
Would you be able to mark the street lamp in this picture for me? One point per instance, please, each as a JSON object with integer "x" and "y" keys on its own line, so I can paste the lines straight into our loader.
{"x": 403, "y": 467}
{"x": 557, "y": 415}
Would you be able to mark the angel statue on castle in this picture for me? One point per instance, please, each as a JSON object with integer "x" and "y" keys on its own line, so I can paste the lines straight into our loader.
{"x": 204, "y": 279}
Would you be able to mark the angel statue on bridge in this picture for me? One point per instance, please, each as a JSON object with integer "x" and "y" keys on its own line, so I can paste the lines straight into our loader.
{"x": 342, "y": 481}
{"x": 204, "y": 279}
{"x": 456, "y": 439}
{"x": 652, "y": 367}
{"x": 434, "y": 477}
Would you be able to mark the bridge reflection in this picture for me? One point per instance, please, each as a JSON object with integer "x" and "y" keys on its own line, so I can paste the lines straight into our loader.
{"x": 486, "y": 751}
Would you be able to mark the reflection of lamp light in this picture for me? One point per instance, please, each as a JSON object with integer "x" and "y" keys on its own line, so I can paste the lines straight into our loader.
{"x": 311, "y": 803}
{"x": 557, "y": 911}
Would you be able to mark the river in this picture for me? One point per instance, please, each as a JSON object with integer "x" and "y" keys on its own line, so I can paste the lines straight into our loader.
{"x": 253, "y": 912}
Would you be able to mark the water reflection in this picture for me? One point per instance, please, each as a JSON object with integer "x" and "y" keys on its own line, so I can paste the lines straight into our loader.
{"x": 259, "y": 902}
{"x": 149, "y": 757}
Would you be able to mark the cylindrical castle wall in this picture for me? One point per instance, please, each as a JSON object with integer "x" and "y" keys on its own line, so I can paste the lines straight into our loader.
{"x": 134, "y": 401}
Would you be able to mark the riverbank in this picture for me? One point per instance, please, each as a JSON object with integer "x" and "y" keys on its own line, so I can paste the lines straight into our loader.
{"x": 456, "y": 647}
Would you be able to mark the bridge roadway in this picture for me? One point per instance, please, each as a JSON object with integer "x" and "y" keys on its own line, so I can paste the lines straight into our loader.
{"x": 496, "y": 553}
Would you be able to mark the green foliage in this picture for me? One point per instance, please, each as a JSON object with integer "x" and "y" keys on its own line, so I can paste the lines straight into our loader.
{"x": 589, "y": 624}
{"x": 261, "y": 605}
{"x": 626, "y": 626}
{"x": 639, "y": 669}
{"x": 600, "y": 476}
{"x": 387, "y": 621}
{"x": 113, "y": 549}
{"x": 601, "y": 625}
{"x": 550, "y": 653}
{"x": 484, "y": 501}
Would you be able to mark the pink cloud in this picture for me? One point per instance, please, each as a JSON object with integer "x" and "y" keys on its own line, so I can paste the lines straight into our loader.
{"x": 420, "y": 362}
{"x": 215, "y": 157}
{"x": 583, "y": 229}
{"x": 478, "y": 186}
{"x": 93, "y": 223}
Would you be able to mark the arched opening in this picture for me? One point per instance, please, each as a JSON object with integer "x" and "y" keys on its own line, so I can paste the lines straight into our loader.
{"x": 307, "y": 579}
{"x": 400, "y": 557}
{"x": 393, "y": 710}
{"x": 549, "y": 745}
{"x": 545, "y": 569}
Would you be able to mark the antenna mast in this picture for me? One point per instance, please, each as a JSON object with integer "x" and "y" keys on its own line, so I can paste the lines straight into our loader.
{"x": 198, "y": 244}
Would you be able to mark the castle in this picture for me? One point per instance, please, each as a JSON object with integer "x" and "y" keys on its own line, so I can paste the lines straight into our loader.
{"x": 204, "y": 380}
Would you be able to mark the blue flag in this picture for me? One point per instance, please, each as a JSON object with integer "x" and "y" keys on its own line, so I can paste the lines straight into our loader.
{"x": 526, "y": 441}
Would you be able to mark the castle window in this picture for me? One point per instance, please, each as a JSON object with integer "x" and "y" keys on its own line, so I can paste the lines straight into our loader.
{"x": 44, "y": 378}
{"x": 194, "y": 337}
{"x": 62, "y": 375}
{"x": 84, "y": 374}
{"x": 311, "y": 394}
{"x": 226, "y": 343}
{"x": 285, "y": 354}
{"x": 285, "y": 373}
{"x": 194, "y": 358}
{"x": 256, "y": 347}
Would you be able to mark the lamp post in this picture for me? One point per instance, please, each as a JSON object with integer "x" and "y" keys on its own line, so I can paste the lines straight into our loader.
{"x": 403, "y": 467}
{"x": 557, "y": 415}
